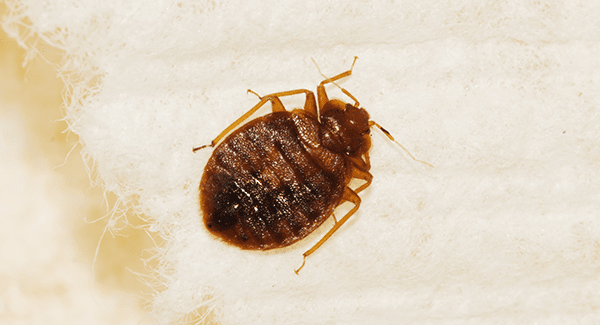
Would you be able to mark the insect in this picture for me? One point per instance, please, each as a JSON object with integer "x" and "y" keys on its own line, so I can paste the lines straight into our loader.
{"x": 277, "y": 178}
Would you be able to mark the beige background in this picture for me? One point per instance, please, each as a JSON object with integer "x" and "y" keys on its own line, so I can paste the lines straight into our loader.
{"x": 46, "y": 247}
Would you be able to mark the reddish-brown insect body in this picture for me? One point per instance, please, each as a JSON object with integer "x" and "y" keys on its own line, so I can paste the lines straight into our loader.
{"x": 277, "y": 178}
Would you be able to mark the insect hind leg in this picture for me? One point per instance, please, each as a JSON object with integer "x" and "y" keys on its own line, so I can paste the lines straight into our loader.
{"x": 350, "y": 196}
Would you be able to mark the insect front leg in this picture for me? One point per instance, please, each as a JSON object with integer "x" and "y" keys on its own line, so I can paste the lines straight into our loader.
{"x": 322, "y": 95}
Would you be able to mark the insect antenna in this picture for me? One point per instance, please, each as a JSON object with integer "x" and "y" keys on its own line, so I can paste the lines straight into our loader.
{"x": 387, "y": 133}
{"x": 212, "y": 144}
{"x": 356, "y": 104}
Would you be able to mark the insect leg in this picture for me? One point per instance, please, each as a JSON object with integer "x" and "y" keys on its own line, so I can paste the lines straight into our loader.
{"x": 373, "y": 123}
{"x": 310, "y": 104}
{"x": 350, "y": 196}
{"x": 361, "y": 163}
{"x": 360, "y": 170}
{"x": 322, "y": 95}
{"x": 277, "y": 107}
{"x": 276, "y": 104}
{"x": 362, "y": 174}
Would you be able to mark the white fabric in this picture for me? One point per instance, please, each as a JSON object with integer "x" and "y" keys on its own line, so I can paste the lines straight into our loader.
{"x": 501, "y": 97}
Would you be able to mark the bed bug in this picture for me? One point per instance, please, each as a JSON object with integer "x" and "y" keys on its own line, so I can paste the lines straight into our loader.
{"x": 277, "y": 178}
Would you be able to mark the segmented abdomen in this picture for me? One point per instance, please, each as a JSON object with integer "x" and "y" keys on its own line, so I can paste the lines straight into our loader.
{"x": 262, "y": 189}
